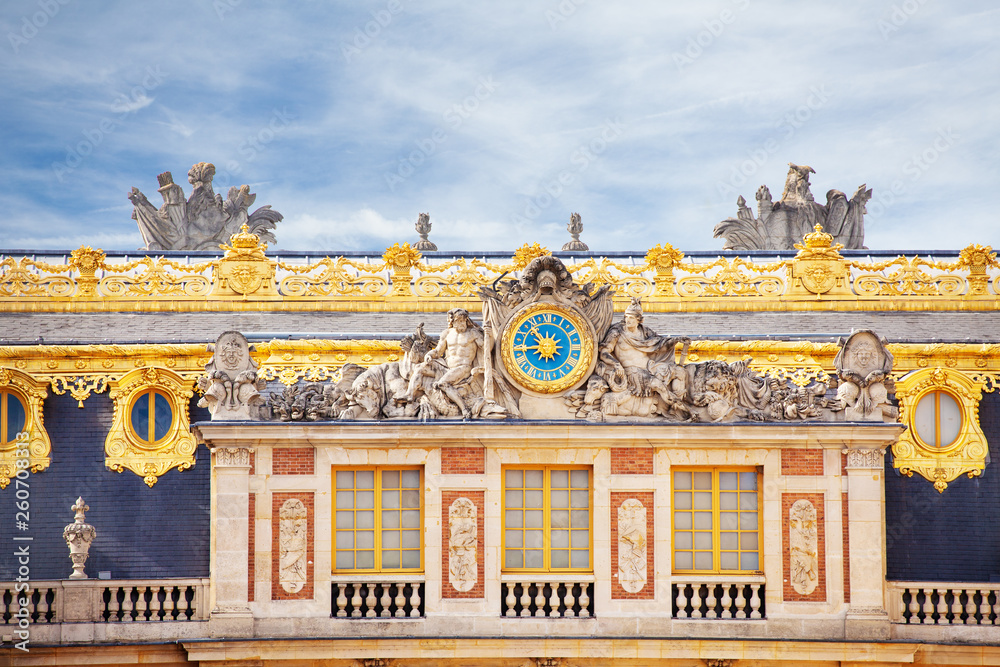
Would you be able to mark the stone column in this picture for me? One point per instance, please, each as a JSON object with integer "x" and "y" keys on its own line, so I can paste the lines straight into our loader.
{"x": 866, "y": 615}
{"x": 231, "y": 616}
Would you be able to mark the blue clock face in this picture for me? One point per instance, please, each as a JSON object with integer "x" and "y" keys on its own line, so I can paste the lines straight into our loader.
{"x": 546, "y": 349}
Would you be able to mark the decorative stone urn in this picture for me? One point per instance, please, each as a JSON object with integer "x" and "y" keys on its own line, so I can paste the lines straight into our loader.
{"x": 78, "y": 536}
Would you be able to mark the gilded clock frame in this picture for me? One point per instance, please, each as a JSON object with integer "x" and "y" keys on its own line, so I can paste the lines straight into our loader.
{"x": 568, "y": 382}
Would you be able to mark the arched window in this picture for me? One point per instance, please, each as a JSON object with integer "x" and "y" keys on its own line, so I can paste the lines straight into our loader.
{"x": 938, "y": 419}
{"x": 151, "y": 416}
{"x": 13, "y": 416}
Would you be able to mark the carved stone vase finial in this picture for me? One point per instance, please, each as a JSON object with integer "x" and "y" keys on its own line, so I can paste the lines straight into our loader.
{"x": 78, "y": 536}
{"x": 423, "y": 228}
{"x": 575, "y": 228}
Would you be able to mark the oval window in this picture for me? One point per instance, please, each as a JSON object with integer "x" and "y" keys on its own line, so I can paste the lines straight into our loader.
{"x": 151, "y": 416}
{"x": 13, "y": 416}
{"x": 938, "y": 419}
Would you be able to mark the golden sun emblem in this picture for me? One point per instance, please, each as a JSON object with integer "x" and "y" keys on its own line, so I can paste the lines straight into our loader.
{"x": 546, "y": 346}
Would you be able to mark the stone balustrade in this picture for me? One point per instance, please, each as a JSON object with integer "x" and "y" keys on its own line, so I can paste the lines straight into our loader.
{"x": 718, "y": 597}
{"x": 367, "y": 597}
{"x": 548, "y": 597}
{"x": 942, "y": 603}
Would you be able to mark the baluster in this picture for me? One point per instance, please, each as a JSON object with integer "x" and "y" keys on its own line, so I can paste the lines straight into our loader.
{"x": 696, "y": 600}
{"x": 741, "y": 602}
{"x": 386, "y": 601}
{"x": 970, "y": 607}
{"x": 727, "y": 601}
{"x": 401, "y": 600}
{"x": 140, "y": 603}
{"x": 44, "y": 606}
{"x": 996, "y": 607}
{"x": 914, "y": 606}
{"x": 114, "y": 608}
{"x": 341, "y": 600}
{"x": 155, "y": 607}
{"x": 356, "y": 601}
{"x": 525, "y": 600}
{"x": 555, "y": 601}
{"x": 168, "y": 603}
{"x": 584, "y": 601}
{"x": 681, "y": 601}
{"x": 754, "y": 601}
{"x": 928, "y": 606}
{"x": 187, "y": 602}
{"x": 370, "y": 600}
{"x": 710, "y": 612}
{"x": 540, "y": 600}
{"x": 942, "y": 606}
{"x": 570, "y": 601}
{"x": 510, "y": 600}
{"x": 415, "y": 601}
{"x": 956, "y": 605}
{"x": 127, "y": 605}
{"x": 984, "y": 607}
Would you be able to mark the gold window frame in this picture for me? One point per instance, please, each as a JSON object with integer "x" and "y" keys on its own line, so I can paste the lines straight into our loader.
{"x": 123, "y": 450}
{"x": 546, "y": 519}
{"x": 32, "y": 394}
{"x": 377, "y": 470}
{"x": 940, "y": 465}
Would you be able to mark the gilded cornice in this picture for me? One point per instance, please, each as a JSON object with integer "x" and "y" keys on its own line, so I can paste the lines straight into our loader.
{"x": 818, "y": 278}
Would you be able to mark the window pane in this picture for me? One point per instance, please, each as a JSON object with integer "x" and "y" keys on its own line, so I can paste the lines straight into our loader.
{"x": 366, "y": 479}
{"x": 702, "y": 480}
{"x": 411, "y": 559}
{"x": 682, "y": 480}
{"x": 390, "y": 479}
{"x": 534, "y": 499}
{"x": 560, "y": 499}
{"x": 682, "y": 500}
{"x": 533, "y": 559}
{"x": 345, "y": 519}
{"x": 365, "y": 519}
{"x": 682, "y": 520}
{"x": 728, "y": 501}
{"x": 345, "y": 560}
{"x": 703, "y": 520}
{"x": 748, "y": 541}
{"x": 533, "y": 479}
{"x": 512, "y": 479}
{"x": 580, "y": 498}
{"x": 748, "y": 520}
{"x": 390, "y": 559}
{"x": 748, "y": 481}
{"x": 729, "y": 541}
{"x": 580, "y": 518}
{"x": 366, "y": 539}
{"x": 533, "y": 539}
{"x": 703, "y": 540}
{"x": 390, "y": 519}
{"x": 366, "y": 499}
{"x": 411, "y": 518}
{"x": 140, "y": 417}
{"x": 748, "y": 501}
{"x": 513, "y": 559}
{"x": 749, "y": 561}
{"x": 560, "y": 540}
{"x": 390, "y": 539}
{"x": 727, "y": 481}
{"x": 682, "y": 540}
{"x": 345, "y": 499}
{"x": 366, "y": 560}
{"x": 703, "y": 501}
{"x": 411, "y": 499}
{"x": 581, "y": 539}
{"x": 560, "y": 479}
{"x": 345, "y": 539}
{"x": 163, "y": 416}
{"x": 533, "y": 519}
{"x": 728, "y": 560}
{"x": 560, "y": 519}
{"x": 580, "y": 558}
{"x": 682, "y": 560}
{"x": 411, "y": 479}
{"x": 560, "y": 558}
{"x": 513, "y": 519}
{"x": 580, "y": 479}
{"x": 390, "y": 499}
{"x": 703, "y": 560}
{"x": 411, "y": 539}
{"x": 513, "y": 538}
{"x": 15, "y": 417}
{"x": 345, "y": 479}
{"x": 729, "y": 520}
{"x": 513, "y": 499}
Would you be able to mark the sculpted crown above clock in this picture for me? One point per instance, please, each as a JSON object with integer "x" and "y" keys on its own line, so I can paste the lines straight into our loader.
{"x": 549, "y": 349}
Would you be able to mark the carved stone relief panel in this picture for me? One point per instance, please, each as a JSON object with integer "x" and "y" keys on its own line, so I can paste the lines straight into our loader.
{"x": 462, "y": 568}
{"x": 292, "y": 541}
{"x": 804, "y": 547}
{"x": 632, "y": 545}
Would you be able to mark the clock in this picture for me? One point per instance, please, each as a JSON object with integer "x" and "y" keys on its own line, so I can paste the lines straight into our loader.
{"x": 547, "y": 349}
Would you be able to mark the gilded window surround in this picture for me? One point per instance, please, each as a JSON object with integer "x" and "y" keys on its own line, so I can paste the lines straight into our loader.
{"x": 123, "y": 450}
{"x": 33, "y": 392}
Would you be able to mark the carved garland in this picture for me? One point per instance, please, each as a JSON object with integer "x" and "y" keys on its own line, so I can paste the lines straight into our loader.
{"x": 32, "y": 393}
{"x": 940, "y": 465}
{"x": 123, "y": 450}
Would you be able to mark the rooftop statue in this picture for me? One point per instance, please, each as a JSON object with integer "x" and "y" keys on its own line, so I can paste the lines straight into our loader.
{"x": 778, "y": 226}
{"x": 204, "y": 221}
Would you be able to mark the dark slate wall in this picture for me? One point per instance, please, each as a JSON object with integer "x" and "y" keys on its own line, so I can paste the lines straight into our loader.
{"x": 142, "y": 532}
{"x": 950, "y": 536}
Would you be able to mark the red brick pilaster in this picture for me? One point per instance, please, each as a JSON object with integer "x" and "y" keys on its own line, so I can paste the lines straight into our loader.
{"x": 847, "y": 548}
{"x": 293, "y": 461}
{"x": 478, "y": 499}
{"x": 788, "y": 592}
{"x": 632, "y": 461}
{"x": 463, "y": 461}
{"x": 801, "y": 461}
{"x": 251, "y": 540}
{"x": 647, "y": 592}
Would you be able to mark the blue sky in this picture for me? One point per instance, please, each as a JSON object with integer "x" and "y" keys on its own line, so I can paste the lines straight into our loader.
{"x": 501, "y": 118}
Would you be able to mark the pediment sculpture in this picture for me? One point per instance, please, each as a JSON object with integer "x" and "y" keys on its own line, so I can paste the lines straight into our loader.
{"x": 780, "y": 225}
{"x": 863, "y": 366}
{"x": 231, "y": 386}
{"x": 202, "y": 222}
